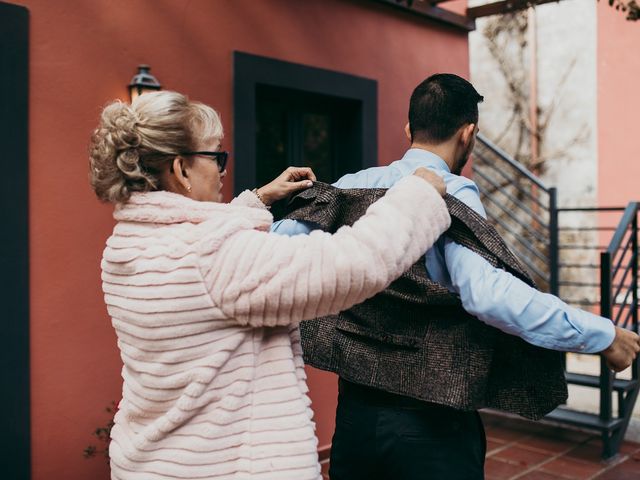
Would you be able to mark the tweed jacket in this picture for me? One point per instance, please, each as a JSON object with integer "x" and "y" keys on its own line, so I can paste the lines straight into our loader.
{"x": 415, "y": 339}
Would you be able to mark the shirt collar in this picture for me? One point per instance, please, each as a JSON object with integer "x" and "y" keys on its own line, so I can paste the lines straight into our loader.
{"x": 416, "y": 157}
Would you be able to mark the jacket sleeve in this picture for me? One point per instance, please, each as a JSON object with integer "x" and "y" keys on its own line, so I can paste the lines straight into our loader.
{"x": 265, "y": 279}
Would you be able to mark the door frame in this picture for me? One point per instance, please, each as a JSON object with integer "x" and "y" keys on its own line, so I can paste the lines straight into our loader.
{"x": 15, "y": 433}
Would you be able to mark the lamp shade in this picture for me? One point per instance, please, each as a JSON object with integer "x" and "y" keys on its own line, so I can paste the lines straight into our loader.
{"x": 143, "y": 82}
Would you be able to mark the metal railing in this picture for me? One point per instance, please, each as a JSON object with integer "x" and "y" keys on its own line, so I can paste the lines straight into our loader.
{"x": 583, "y": 233}
{"x": 619, "y": 301}
{"x": 589, "y": 259}
{"x": 598, "y": 271}
{"x": 522, "y": 208}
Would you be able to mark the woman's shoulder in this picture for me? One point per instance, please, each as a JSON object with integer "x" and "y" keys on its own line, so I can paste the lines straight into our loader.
{"x": 166, "y": 208}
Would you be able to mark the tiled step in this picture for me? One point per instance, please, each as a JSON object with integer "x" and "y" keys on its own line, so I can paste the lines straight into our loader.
{"x": 619, "y": 385}
{"x": 585, "y": 420}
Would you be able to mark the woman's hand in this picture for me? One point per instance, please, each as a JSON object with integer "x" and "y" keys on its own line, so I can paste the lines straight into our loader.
{"x": 289, "y": 181}
{"x": 433, "y": 178}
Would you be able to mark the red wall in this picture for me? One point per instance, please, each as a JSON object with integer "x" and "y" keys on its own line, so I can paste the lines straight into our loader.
{"x": 618, "y": 108}
{"x": 83, "y": 53}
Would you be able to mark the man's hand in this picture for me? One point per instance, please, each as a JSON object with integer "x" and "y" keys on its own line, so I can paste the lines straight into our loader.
{"x": 433, "y": 178}
{"x": 623, "y": 350}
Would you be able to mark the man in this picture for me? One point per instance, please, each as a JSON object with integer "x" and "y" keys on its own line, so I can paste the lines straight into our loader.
{"x": 383, "y": 435}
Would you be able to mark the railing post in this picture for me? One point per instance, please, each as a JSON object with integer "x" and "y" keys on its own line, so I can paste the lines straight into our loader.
{"x": 634, "y": 268}
{"x": 634, "y": 282}
{"x": 554, "y": 287}
{"x": 606, "y": 379}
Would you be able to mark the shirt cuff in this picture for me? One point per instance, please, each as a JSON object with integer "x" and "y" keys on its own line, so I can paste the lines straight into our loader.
{"x": 597, "y": 333}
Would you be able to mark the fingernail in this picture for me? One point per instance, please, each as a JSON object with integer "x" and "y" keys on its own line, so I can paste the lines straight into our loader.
{"x": 309, "y": 184}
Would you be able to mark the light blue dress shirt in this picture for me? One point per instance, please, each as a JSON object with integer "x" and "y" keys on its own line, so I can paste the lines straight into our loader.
{"x": 492, "y": 295}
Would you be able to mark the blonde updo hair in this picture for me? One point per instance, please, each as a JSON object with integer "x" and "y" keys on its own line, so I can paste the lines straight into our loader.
{"x": 133, "y": 143}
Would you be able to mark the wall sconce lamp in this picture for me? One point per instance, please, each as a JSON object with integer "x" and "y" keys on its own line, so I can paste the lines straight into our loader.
{"x": 143, "y": 82}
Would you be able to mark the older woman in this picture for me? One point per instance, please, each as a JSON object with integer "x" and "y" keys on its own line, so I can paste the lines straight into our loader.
{"x": 205, "y": 302}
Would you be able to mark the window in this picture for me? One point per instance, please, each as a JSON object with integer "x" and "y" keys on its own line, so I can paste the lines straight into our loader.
{"x": 305, "y": 129}
{"x": 289, "y": 114}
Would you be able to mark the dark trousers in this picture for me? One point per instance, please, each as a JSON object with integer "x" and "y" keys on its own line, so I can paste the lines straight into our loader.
{"x": 381, "y": 436}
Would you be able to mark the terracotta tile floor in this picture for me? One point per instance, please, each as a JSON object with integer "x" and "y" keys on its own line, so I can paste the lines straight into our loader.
{"x": 518, "y": 449}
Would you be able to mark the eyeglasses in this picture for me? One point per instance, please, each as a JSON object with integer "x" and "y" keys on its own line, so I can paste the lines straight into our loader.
{"x": 220, "y": 157}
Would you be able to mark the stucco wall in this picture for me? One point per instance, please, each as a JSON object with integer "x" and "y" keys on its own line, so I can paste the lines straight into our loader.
{"x": 618, "y": 71}
{"x": 82, "y": 55}
{"x": 567, "y": 79}
{"x": 566, "y": 85}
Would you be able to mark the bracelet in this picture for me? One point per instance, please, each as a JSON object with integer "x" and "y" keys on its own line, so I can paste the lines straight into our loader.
{"x": 255, "y": 192}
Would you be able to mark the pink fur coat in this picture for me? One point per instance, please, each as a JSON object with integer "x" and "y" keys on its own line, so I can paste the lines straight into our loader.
{"x": 205, "y": 303}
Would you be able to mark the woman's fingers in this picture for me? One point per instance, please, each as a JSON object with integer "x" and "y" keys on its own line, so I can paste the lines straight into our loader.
{"x": 289, "y": 181}
{"x": 295, "y": 186}
{"x": 300, "y": 178}
{"x": 433, "y": 178}
{"x": 300, "y": 173}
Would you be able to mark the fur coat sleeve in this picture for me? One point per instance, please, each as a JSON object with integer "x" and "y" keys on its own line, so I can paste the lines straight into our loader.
{"x": 264, "y": 279}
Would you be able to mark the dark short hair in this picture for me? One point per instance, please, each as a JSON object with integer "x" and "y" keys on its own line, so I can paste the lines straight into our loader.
{"x": 440, "y": 105}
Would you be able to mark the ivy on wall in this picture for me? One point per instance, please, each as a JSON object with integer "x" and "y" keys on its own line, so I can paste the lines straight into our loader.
{"x": 631, "y": 8}
{"x": 103, "y": 434}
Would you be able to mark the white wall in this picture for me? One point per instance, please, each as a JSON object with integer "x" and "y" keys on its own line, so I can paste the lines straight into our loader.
{"x": 566, "y": 34}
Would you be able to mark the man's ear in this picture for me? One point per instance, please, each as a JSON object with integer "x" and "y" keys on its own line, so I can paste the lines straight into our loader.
{"x": 407, "y": 132}
{"x": 466, "y": 135}
{"x": 180, "y": 172}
